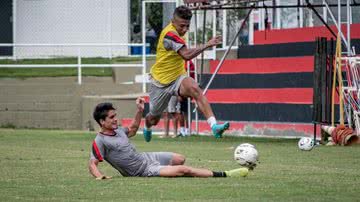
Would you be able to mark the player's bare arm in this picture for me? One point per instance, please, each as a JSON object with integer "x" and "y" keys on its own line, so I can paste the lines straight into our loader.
{"x": 134, "y": 126}
{"x": 190, "y": 53}
{"x": 93, "y": 163}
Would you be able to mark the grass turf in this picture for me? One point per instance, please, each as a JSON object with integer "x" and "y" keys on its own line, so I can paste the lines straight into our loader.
{"x": 51, "y": 165}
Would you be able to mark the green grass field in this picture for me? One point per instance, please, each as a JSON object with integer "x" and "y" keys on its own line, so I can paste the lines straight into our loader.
{"x": 51, "y": 165}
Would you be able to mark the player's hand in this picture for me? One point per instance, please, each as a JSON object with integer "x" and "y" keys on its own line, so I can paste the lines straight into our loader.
{"x": 103, "y": 177}
{"x": 214, "y": 41}
{"x": 140, "y": 103}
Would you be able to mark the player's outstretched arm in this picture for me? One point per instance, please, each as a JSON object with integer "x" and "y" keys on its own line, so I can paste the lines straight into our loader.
{"x": 190, "y": 53}
{"x": 134, "y": 126}
{"x": 95, "y": 171}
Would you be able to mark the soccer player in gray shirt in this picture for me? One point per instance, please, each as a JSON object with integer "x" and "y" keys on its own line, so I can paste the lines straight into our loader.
{"x": 112, "y": 145}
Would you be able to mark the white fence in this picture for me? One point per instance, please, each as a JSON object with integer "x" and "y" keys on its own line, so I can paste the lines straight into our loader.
{"x": 78, "y": 49}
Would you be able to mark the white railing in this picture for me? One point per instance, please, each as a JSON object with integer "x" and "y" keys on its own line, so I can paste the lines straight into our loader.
{"x": 79, "y": 47}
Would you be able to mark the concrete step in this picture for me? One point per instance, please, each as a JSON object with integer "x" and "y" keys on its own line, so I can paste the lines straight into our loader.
{"x": 53, "y": 102}
{"x": 37, "y": 106}
{"x": 37, "y": 99}
{"x": 40, "y": 119}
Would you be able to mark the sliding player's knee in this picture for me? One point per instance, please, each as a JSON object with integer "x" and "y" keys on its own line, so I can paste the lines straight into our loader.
{"x": 178, "y": 159}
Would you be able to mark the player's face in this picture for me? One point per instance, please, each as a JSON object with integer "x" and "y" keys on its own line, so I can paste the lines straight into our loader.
{"x": 110, "y": 122}
{"x": 181, "y": 25}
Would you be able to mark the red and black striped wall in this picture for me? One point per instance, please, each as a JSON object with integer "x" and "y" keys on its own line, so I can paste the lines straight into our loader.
{"x": 298, "y": 35}
{"x": 272, "y": 81}
{"x": 268, "y": 90}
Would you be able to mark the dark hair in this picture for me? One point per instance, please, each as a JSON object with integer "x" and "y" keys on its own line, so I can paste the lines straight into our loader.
{"x": 101, "y": 111}
{"x": 183, "y": 12}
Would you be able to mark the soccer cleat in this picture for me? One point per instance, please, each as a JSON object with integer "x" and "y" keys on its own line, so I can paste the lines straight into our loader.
{"x": 218, "y": 129}
{"x": 240, "y": 172}
{"x": 147, "y": 134}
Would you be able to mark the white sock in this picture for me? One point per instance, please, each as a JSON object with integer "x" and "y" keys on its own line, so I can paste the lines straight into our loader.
{"x": 211, "y": 121}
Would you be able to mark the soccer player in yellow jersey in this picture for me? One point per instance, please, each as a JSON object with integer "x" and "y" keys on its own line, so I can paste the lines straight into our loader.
{"x": 168, "y": 75}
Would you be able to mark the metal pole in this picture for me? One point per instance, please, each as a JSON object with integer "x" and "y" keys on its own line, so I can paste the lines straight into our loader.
{"x": 224, "y": 28}
{"x": 79, "y": 66}
{"x": 262, "y": 18}
{"x": 14, "y": 22}
{"x": 276, "y": 7}
{"x": 214, "y": 34}
{"x": 339, "y": 16}
{"x": 227, "y": 52}
{"x": 319, "y": 16}
{"x": 338, "y": 26}
{"x": 325, "y": 13}
{"x": 251, "y": 30}
{"x": 202, "y": 54}
{"x": 278, "y": 16}
{"x": 196, "y": 80}
{"x": 348, "y": 11}
{"x": 301, "y": 15}
{"x": 143, "y": 44}
{"x": 298, "y": 14}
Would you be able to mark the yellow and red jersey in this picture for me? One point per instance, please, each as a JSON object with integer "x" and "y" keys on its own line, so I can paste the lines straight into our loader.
{"x": 169, "y": 64}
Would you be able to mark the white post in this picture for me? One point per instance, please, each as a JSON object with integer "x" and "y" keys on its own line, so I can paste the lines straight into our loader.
{"x": 261, "y": 17}
{"x": 144, "y": 44}
{"x": 339, "y": 15}
{"x": 79, "y": 65}
{"x": 224, "y": 32}
{"x": 278, "y": 15}
{"x": 325, "y": 12}
{"x": 214, "y": 33}
{"x": 110, "y": 29}
{"x": 350, "y": 15}
{"x": 14, "y": 21}
{"x": 301, "y": 14}
{"x": 251, "y": 29}
{"x": 311, "y": 19}
{"x": 196, "y": 80}
{"x": 348, "y": 11}
{"x": 338, "y": 26}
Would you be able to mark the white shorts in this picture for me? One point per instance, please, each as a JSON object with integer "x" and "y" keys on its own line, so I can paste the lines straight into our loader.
{"x": 159, "y": 160}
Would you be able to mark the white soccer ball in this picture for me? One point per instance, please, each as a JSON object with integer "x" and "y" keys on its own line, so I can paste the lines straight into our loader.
{"x": 246, "y": 155}
{"x": 306, "y": 143}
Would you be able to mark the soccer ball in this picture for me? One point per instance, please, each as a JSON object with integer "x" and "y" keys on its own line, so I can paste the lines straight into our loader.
{"x": 306, "y": 143}
{"x": 246, "y": 155}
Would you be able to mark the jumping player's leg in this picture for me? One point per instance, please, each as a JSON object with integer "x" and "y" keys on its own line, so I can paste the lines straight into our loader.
{"x": 189, "y": 88}
{"x": 159, "y": 99}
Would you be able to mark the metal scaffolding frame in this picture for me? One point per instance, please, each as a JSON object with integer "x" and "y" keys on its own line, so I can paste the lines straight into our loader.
{"x": 256, "y": 4}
